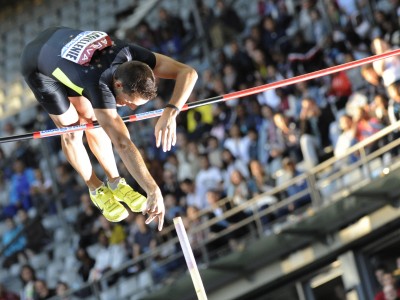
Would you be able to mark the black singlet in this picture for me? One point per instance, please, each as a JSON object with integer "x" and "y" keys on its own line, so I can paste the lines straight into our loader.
{"x": 53, "y": 78}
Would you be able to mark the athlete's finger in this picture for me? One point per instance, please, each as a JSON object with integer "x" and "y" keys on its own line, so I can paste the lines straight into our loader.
{"x": 169, "y": 139}
{"x": 150, "y": 206}
{"x": 165, "y": 139}
{"x": 158, "y": 138}
{"x": 160, "y": 221}
{"x": 174, "y": 138}
{"x": 150, "y": 219}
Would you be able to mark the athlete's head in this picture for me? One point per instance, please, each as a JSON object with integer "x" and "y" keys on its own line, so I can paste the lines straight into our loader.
{"x": 134, "y": 84}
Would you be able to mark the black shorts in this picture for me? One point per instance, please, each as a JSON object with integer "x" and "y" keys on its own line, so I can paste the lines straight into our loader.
{"x": 51, "y": 94}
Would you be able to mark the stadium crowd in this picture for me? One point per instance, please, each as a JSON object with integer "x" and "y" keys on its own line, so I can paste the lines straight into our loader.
{"x": 236, "y": 149}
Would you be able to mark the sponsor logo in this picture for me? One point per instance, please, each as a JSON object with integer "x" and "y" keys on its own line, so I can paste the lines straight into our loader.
{"x": 81, "y": 49}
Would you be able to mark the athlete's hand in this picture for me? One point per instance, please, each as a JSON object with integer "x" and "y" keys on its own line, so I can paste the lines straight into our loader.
{"x": 165, "y": 130}
{"x": 155, "y": 208}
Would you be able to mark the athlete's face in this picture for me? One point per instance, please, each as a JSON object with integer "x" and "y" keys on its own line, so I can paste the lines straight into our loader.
{"x": 128, "y": 100}
{"x": 123, "y": 99}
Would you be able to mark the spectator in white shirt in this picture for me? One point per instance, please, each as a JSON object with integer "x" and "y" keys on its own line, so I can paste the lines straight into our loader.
{"x": 107, "y": 258}
{"x": 206, "y": 179}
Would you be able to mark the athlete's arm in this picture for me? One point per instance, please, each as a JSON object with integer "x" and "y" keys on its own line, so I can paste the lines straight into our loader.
{"x": 130, "y": 155}
{"x": 185, "y": 78}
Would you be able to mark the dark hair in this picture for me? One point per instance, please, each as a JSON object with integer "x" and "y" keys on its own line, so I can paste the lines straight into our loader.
{"x": 137, "y": 78}
{"x": 30, "y": 268}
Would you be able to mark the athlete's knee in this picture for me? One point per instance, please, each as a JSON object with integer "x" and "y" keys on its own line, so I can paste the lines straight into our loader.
{"x": 70, "y": 139}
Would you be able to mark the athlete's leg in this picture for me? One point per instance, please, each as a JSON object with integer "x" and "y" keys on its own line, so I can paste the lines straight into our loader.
{"x": 99, "y": 142}
{"x": 74, "y": 149}
{"x": 101, "y": 146}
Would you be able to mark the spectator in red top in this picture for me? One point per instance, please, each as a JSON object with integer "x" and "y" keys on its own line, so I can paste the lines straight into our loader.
{"x": 389, "y": 290}
{"x": 341, "y": 88}
{"x": 366, "y": 125}
{"x": 7, "y": 295}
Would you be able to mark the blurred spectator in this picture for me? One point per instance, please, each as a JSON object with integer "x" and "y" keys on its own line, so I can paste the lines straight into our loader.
{"x": 201, "y": 127}
{"x": 319, "y": 27}
{"x": 114, "y": 232}
{"x": 171, "y": 164}
{"x": 261, "y": 74}
{"x": 86, "y": 224}
{"x": 68, "y": 185}
{"x": 86, "y": 263}
{"x": 170, "y": 43}
{"x": 171, "y": 23}
{"x": 291, "y": 171}
{"x": 288, "y": 142}
{"x": 143, "y": 35}
{"x": 217, "y": 210}
{"x": 170, "y": 184}
{"x": 362, "y": 26}
{"x": 4, "y": 192}
{"x": 28, "y": 278}
{"x": 15, "y": 246}
{"x": 394, "y": 102}
{"x": 259, "y": 181}
{"x": 365, "y": 127}
{"x": 42, "y": 291}
{"x": 230, "y": 163}
{"x": 207, "y": 20}
{"x": 36, "y": 235}
{"x": 108, "y": 257}
{"x": 41, "y": 191}
{"x": 252, "y": 136}
{"x": 191, "y": 222}
{"x": 305, "y": 57}
{"x": 389, "y": 68}
{"x": 380, "y": 109}
{"x": 272, "y": 34}
{"x": 237, "y": 144}
{"x": 349, "y": 7}
{"x": 346, "y": 139}
{"x": 187, "y": 155}
{"x": 340, "y": 88}
{"x": 259, "y": 184}
{"x": 20, "y": 185}
{"x": 243, "y": 117}
{"x": 267, "y": 135}
{"x": 214, "y": 151}
{"x": 172, "y": 208}
{"x": 144, "y": 239}
{"x": 202, "y": 115}
{"x": 237, "y": 189}
{"x": 61, "y": 290}
{"x": 9, "y": 129}
{"x": 226, "y": 26}
{"x": 242, "y": 64}
{"x": 191, "y": 198}
{"x": 308, "y": 89}
{"x": 207, "y": 178}
{"x": 6, "y": 294}
{"x": 314, "y": 128}
{"x": 389, "y": 290}
{"x": 357, "y": 81}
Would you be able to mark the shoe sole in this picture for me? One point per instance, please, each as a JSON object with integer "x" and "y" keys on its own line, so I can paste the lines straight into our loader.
{"x": 122, "y": 217}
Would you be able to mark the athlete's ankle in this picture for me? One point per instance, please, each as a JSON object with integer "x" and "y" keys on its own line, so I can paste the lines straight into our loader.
{"x": 93, "y": 189}
{"x": 113, "y": 183}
